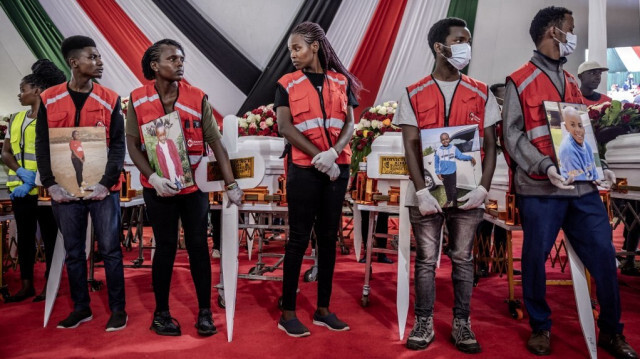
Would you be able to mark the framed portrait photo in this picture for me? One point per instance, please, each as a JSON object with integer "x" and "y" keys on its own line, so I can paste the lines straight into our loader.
{"x": 167, "y": 151}
{"x": 574, "y": 142}
{"x": 78, "y": 157}
{"x": 452, "y": 162}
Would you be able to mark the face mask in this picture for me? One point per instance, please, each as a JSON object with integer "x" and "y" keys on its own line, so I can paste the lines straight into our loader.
{"x": 567, "y": 48}
{"x": 460, "y": 55}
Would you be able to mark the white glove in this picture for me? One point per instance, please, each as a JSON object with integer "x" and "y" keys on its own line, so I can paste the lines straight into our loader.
{"x": 163, "y": 186}
{"x": 474, "y": 198}
{"x": 334, "y": 172}
{"x": 235, "y": 196}
{"x": 60, "y": 194}
{"x": 324, "y": 160}
{"x": 99, "y": 193}
{"x": 427, "y": 203}
{"x": 609, "y": 179}
{"x": 557, "y": 180}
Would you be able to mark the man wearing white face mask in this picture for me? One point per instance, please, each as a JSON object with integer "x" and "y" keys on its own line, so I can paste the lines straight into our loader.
{"x": 546, "y": 200}
{"x": 446, "y": 98}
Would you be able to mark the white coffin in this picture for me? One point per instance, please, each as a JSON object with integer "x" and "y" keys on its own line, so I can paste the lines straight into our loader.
{"x": 389, "y": 144}
{"x": 623, "y": 157}
{"x": 266, "y": 151}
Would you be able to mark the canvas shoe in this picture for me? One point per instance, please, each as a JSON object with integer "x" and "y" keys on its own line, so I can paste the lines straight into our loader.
{"x": 330, "y": 321}
{"x": 76, "y": 318}
{"x": 422, "y": 333}
{"x": 293, "y": 327}
{"x": 462, "y": 336}
{"x": 117, "y": 321}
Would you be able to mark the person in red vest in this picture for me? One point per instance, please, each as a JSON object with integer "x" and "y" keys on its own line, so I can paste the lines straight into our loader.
{"x": 315, "y": 115}
{"x": 446, "y": 98}
{"x": 590, "y": 75}
{"x": 84, "y": 103}
{"x": 167, "y": 204}
{"x": 546, "y": 200}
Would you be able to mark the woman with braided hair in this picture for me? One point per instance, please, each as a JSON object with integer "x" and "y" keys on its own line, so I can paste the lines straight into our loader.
{"x": 18, "y": 153}
{"x": 314, "y": 108}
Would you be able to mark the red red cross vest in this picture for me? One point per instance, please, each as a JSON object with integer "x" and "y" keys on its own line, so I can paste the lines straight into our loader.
{"x": 96, "y": 112}
{"x": 148, "y": 107}
{"x": 307, "y": 113}
{"x": 466, "y": 108}
{"x": 534, "y": 87}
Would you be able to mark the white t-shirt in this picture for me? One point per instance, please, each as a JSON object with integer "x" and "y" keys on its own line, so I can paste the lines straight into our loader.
{"x": 164, "y": 147}
{"x": 405, "y": 116}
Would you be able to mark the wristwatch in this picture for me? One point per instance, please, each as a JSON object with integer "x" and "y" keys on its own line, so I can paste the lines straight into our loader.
{"x": 231, "y": 186}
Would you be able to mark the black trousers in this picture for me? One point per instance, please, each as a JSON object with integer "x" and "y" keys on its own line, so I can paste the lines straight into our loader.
{"x": 78, "y": 165}
{"x": 314, "y": 202}
{"x": 28, "y": 214}
{"x": 450, "y": 182}
{"x": 163, "y": 213}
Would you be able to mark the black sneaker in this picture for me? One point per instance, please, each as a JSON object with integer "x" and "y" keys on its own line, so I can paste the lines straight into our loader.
{"x": 293, "y": 328}
{"x": 205, "y": 323}
{"x": 462, "y": 336}
{"x": 164, "y": 324}
{"x": 330, "y": 321}
{"x": 75, "y": 318}
{"x": 117, "y": 321}
{"x": 422, "y": 333}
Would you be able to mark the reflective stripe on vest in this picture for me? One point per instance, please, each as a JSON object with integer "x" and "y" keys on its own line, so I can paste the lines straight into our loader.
{"x": 534, "y": 87}
{"x": 307, "y": 113}
{"x": 23, "y": 147}
{"x": 148, "y": 107}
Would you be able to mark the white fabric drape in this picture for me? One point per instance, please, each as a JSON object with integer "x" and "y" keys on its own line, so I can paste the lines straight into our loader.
{"x": 225, "y": 97}
{"x": 16, "y": 60}
{"x": 70, "y": 19}
{"x": 598, "y": 35}
{"x": 349, "y": 26}
{"x": 411, "y": 58}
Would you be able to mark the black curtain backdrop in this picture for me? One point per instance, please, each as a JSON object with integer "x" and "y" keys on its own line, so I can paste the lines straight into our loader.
{"x": 263, "y": 92}
{"x": 217, "y": 49}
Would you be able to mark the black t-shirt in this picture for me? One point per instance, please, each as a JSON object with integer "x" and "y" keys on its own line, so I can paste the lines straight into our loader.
{"x": 595, "y": 96}
{"x": 317, "y": 80}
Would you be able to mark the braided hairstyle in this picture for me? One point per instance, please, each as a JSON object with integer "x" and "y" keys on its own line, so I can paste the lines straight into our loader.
{"x": 44, "y": 75}
{"x": 153, "y": 54}
{"x": 311, "y": 32}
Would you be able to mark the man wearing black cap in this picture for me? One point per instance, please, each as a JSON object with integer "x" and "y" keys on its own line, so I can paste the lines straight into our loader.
{"x": 590, "y": 74}
{"x": 83, "y": 103}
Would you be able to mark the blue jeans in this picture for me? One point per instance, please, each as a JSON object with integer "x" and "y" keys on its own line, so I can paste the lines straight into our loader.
{"x": 426, "y": 229}
{"x": 72, "y": 222}
{"x": 586, "y": 225}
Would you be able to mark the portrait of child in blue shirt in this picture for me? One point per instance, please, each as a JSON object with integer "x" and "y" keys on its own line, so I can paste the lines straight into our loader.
{"x": 575, "y": 155}
{"x": 445, "y": 163}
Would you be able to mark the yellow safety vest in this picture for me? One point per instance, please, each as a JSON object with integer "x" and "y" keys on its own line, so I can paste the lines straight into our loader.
{"x": 23, "y": 146}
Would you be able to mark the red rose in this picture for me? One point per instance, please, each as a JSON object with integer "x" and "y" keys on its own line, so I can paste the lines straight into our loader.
{"x": 256, "y": 111}
{"x": 252, "y": 131}
{"x": 626, "y": 118}
{"x": 359, "y": 147}
{"x": 594, "y": 114}
{"x": 363, "y": 141}
{"x": 359, "y": 133}
{"x": 628, "y": 105}
{"x": 241, "y": 131}
{"x": 370, "y": 134}
{"x": 604, "y": 108}
{"x": 274, "y": 128}
{"x": 383, "y": 130}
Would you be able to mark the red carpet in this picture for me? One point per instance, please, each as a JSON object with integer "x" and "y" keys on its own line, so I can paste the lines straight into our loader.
{"x": 373, "y": 334}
